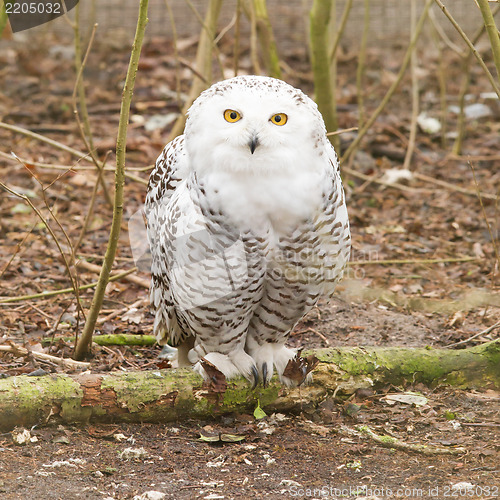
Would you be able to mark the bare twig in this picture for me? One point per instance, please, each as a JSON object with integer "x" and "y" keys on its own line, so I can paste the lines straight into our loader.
{"x": 22, "y": 351}
{"x": 312, "y": 330}
{"x": 442, "y": 34}
{"x": 88, "y": 266}
{"x": 237, "y": 36}
{"x": 53, "y": 293}
{"x": 17, "y": 250}
{"x": 68, "y": 168}
{"x": 46, "y": 140}
{"x": 90, "y": 211}
{"x": 492, "y": 30}
{"x": 350, "y": 150}
{"x": 364, "y": 177}
{"x": 339, "y": 32}
{"x": 476, "y": 54}
{"x": 452, "y": 187}
{"x": 414, "y": 91}
{"x": 73, "y": 280}
{"x": 342, "y": 131}
{"x": 480, "y": 334}
{"x": 441, "y": 74}
{"x": 254, "y": 53}
{"x": 266, "y": 38}
{"x": 410, "y": 261}
{"x": 84, "y": 123}
{"x": 176, "y": 50}
{"x": 360, "y": 71}
{"x": 86, "y": 338}
{"x": 485, "y": 217}
{"x": 203, "y": 61}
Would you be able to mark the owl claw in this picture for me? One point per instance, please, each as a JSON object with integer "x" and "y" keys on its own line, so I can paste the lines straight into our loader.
{"x": 304, "y": 374}
{"x": 255, "y": 374}
{"x": 264, "y": 375}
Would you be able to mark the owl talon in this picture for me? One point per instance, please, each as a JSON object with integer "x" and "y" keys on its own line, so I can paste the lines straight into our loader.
{"x": 264, "y": 375}
{"x": 255, "y": 374}
{"x": 304, "y": 374}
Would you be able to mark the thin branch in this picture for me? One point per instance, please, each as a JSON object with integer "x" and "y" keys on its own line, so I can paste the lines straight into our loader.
{"x": 74, "y": 279}
{"x": 67, "y": 168}
{"x": 266, "y": 37}
{"x": 480, "y": 334}
{"x": 496, "y": 88}
{"x": 52, "y": 234}
{"x": 340, "y": 30}
{"x": 452, "y": 187}
{"x": 342, "y": 131}
{"x": 492, "y": 30}
{"x": 254, "y": 53}
{"x": 176, "y": 50}
{"x": 442, "y": 33}
{"x": 384, "y": 262}
{"x": 237, "y": 37}
{"x": 46, "y": 140}
{"x": 53, "y": 293}
{"x": 485, "y": 217}
{"x": 85, "y": 341}
{"x": 350, "y": 150}
{"x": 414, "y": 92}
{"x": 17, "y": 250}
{"x": 360, "y": 71}
{"x": 84, "y": 123}
{"x": 203, "y": 60}
{"x": 441, "y": 74}
{"x": 364, "y": 177}
{"x": 88, "y": 266}
{"x": 66, "y": 363}
{"x": 89, "y": 213}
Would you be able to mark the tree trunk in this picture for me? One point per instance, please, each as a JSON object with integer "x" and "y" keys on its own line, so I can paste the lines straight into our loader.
{"x": 167, "y": 395}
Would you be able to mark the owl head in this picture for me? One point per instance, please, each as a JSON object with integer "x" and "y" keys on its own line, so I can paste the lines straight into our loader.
{"x": 253, "y": 124}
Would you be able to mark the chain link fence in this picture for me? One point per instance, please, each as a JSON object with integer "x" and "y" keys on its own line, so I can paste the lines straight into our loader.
{"x": 389, "y": 21}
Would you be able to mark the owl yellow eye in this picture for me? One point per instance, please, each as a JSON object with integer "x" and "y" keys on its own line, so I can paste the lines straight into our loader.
{"x": 231, "y": 115}
{"x": 279, "y": 119}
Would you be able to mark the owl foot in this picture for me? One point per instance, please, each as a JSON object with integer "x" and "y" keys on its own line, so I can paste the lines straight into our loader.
{"x": 232, "y": 365}
{"x": 270, "y": 356}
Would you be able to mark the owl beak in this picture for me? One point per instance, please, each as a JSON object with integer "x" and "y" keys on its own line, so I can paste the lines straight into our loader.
{"x": 254, "y": 142}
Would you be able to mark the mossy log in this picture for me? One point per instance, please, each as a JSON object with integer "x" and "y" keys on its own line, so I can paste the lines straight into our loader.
{"x": 168, "y": 395}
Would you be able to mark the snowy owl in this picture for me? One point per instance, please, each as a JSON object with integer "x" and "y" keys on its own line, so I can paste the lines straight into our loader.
{"x": 247, "y": 226}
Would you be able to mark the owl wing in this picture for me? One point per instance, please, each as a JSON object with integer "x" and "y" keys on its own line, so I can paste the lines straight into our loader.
{"x": 332, "y": 226}
{"x": 170, "y": 170}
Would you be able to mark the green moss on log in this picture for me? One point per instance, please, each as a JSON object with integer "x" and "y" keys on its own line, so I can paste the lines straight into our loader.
{"x": 168, "y": 395}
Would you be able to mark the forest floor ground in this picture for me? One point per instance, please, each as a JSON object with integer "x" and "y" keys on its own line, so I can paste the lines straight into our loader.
{"x": 430, "y": 300}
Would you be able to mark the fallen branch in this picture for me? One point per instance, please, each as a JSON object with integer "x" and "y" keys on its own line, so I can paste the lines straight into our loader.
{"x": 70, "y": 364}
{"x": 168, "y": 395}
{"x": 137, "y": 280}
{"x": 486, "y": 331}
{"x": 364, "y": 431}
{"x": 111, "y": 339}
{"x": 452, "y": 187}
{"x": 384, "y": 262}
